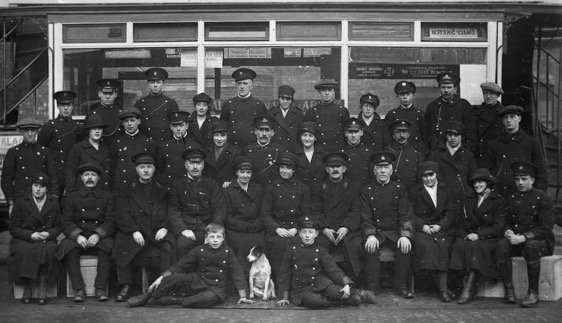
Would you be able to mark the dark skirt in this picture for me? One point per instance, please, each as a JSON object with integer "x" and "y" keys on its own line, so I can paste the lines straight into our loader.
{"x": 479, "y": 255}
{"x": 26, "y": 258}
{"x": 241, "y": 243}
{"x": 431, "y": 251}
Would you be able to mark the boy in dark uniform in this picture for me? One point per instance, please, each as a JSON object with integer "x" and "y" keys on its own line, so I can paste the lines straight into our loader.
{"x": 310, "y": 277}
{"x": 201, "y": 275}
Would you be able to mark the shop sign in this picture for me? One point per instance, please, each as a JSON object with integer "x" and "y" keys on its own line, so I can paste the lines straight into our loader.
{"x": 213, "y": 59}
{"x": 399, "y": 71}
{"x": 453, "y": 33}
{"x": 249, "y": 52}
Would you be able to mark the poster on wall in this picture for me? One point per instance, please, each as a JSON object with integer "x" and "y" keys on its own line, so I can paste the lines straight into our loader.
{"x": 399, "y": 71}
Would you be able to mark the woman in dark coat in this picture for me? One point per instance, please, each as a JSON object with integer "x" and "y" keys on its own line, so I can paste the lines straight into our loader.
{"x": 35, "y": 223}
{"x": 433, "y": 222}
{"x": 243, "y": 200}
{"x": 474, "y": 249}
{"x": 311, "y": 170}
{"x": 200, "y": 122}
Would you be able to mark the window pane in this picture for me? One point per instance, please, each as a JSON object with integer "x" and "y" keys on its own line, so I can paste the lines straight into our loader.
{"x": 114, "y": 33}
{"x": 164, "y": 32}
{"x": 432, "y": 31}
{"x": 308, "y": 31}
{"x": 237, "y": 31}
{"x": 382, "y": 31}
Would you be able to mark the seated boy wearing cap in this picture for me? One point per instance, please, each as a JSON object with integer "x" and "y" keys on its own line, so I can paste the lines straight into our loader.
{"x": 309, "y": 276}
{"x": 200, "y": 276}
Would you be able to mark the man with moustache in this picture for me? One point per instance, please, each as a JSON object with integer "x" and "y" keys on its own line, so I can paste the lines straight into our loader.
{"x": 108, "y": 109}
{"x": 170, "y": 164}
{"x": 243, "y": 108}
{"x": 408, "y": 159}
{"x": 386, "y": 220}
{"x": 155, "y": 107}
{"x": 288, "y": 119}
{"x": 88, "y": 222}
{"x": 195, "y": 202}
{"x": 337, "y": 208}
{"x": 449, "y": 106}
{"x": 263, "y": 152}
{"x": 60, "y": 134}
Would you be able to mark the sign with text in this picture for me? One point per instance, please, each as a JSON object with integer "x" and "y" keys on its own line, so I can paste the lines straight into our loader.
{"x": 399, "y": 71}
{"x": 453, "y": 33}
{"x": 304, "y": 105}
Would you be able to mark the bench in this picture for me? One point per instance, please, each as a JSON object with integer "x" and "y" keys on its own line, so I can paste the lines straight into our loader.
{"x": 88, "y": 267}
{"x": 52, "y": 290}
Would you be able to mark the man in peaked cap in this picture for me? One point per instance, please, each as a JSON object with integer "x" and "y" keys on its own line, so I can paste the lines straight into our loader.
{"x": 221, "y": 155}
{"x": 170, "y": 164}
{"x": 204, "y": 198}
{"x": 375, "y": 130}
{"x": 329, "y": 116}
{"x": 359, "y": 168}
{"x": 156, "y": 106}
{"x": 88, "y": 225}
{"x": 409, "y": 159}
{"x": 513, "y": 144}
{"x": 488, "y": 124}
{"x": 263, "y": 152}
{"x": 240, "y": 110}
{"x": 130, "y": 143}
{"x": 143, "y": 236}
{"x": 528, "y": 232}
{"x": 449, "y": 106}
{"x": 27, "y": 158}
{"x": 108, "y": 108}
{"x": 289, "y": 119}
{"x": 406, "y": 91}
{"x": 60, "y": 134}
{"x": 386, "y": 214}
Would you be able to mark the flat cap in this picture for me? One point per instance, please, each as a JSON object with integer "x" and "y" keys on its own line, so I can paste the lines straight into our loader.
{"x": 491, "y": 86}
{"x": 202, "y": 97}
{"x": 28, "y": 123}
{"x": 404, "y": 87}
{"x": 155, "y": 74}
{"x": 286, "y": 91}
{"x": 429, "y": 167}
{"x": 144, "y": 157}
{"x": 129, "y": 112}
{"x": 243, "y": 74}
{"x": 510, "y": 109}
{"x": 64, "y": 96}
{"x": 89, "y": 166}
{"x": 327, "y": 83}
{"x": 383, "y": 158}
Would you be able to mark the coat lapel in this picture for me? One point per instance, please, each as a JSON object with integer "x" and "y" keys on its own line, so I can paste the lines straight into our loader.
{"x": 137, "y": 193}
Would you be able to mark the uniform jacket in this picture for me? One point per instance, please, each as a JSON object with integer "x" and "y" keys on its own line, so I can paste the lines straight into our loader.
{"x": 135, "y": 212}
{"x": 407, "y": 164}
{"x": 507, "y": 149}
{"x": 221, "y": 169}
{"x": 203, "y": 135}
{"x": 312, "y": 172}
{"x": 170, "y": 163}
{"x": 359, "y": 169}
{"x": 488, "y": 125}
{"x": 531, "y": 214}
{"x": 284, "y": 203}
{"x": 110, "y": 116}
{"x": 487, "y": 220}
{"x": 210, "y": 269}
{"x": 83, "y": 152}
{"x": 329, "y": 117}
{"x": 337, "y": 204}
{"x": 438, "y": 114}
{"x": 122, "y": 168}
{"x": 239, "y": 113}
{"x": 417, "y": 119}
{"x": 287, "y": 128}
{"x": 87, "y": 212}
{"x": 154, "y": 109}
{"x": 264, "y": 157}
{"x": 386, "y": 211}
{"x": 194, "y": 204}
{"x": 22, "y": 161}
{"x": 375, "y": 135}
{"x": 425, "y": 212}
{"x": 243, "y": 207}
{"x": 59, "y": 135}
{"x": 308, "y": 268}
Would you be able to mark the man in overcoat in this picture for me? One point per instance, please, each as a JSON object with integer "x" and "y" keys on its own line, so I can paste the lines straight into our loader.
{"x": 288, "y": 119}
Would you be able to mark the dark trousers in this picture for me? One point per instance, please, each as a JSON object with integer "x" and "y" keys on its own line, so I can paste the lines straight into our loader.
{"x": 402, "y": 267}
{"x": 328, "y": 297}
{"x": 146, "y": 258}
{"x": 180, "y": 283}
{"x": 72, "y": 263}
{"x": 531, "y": 250}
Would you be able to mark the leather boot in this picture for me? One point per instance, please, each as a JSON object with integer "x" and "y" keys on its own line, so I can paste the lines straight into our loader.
{"x": 124, "y": 294}
{"x": 140, "y": 300}
{"x": 441, "y": 280}
{"x": 26, "y": 298}
{"x": 42, "y": 292}
{"x": 469, "y": 287}
{"x": 366, "y": 295}
{"x": 533, "y": 273}
{"x": 505, "y": 271}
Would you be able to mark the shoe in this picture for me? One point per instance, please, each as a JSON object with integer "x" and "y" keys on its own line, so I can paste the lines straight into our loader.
{"x": 509, "y": 297}
{"x": 101, "y": 295}
{"x": 404, "y": 293}
{"x": 25, "y": 300}
{"x": 26, "y": 297}
{"x": 531, "y": 300}
{"x": 367, "y": 296}
{"x": 445, "y": 297}
{"x": 453, "y": 294}
{"x": 124, "y": 294}
{"x": 80, "y": 295}
{"x": 469, "y": 289}
{"x": 42, "y": 301}
{"x": 140, "y": 300}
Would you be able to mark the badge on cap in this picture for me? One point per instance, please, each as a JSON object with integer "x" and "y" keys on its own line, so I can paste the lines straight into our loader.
{"x": 403, "y": 83}
{"x": 40, "y": 178}
{"x": 264, "y": 120}
{"x": 383, "y": 158}
{"x": 446, "y": 77}
{"x": 521, "y": 167}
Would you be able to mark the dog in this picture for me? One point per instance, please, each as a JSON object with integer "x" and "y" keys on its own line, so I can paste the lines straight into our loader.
{"x": 260, "y": 280}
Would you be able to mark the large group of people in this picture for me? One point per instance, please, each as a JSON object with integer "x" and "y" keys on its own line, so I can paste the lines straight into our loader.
{"x": 454, "y": 192}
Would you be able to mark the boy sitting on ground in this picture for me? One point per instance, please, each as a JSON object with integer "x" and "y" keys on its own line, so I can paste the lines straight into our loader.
{"x": 205, "y": 285}
{"x": 312, "y": 277}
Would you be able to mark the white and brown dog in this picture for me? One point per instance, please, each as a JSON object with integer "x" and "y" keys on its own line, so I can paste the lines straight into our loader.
{"x": 261, "y": 284}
